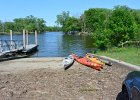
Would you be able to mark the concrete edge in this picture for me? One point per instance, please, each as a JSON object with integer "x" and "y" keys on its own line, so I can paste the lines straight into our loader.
{"x": 121, "y": 62}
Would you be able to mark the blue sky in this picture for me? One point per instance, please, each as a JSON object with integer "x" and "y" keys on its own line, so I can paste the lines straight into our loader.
{"x": 48, "y": 9}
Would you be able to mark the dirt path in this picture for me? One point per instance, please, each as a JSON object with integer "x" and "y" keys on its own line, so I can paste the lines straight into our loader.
{"x": 45, "y": 79}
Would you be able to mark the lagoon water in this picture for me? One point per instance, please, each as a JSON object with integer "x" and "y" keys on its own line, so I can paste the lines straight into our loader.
{"x": 57, "y": 44}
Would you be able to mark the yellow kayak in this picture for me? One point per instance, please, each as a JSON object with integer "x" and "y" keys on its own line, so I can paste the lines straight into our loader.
{"x": 94, "y": 59}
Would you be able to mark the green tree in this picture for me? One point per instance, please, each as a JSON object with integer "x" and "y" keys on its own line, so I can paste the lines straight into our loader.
{"x": 40, "y": 24}
{"x": 53, "y": 28}
{"x": 1, "y": 26}
{"x": 71, "y": 25}
{"x": 61, "y": 18}
{"x": 30, "y": 23}
{"x": 136, "y": 15}
{"x": 19, "y": 24}
{"x": 9, "y": 26}
{"x": 95, "y": 19}
{"x": 122, "y": 24}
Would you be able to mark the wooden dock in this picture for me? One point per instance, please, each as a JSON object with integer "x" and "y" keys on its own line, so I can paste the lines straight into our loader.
{"x": 8, "y": 46}
{"x": 17, "y": 48}
{"x": 7, "y": 49}
{"x": 30, "y": 48}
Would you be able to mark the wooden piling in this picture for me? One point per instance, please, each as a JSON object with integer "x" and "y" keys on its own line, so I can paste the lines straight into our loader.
{"x": 0, "y": 47}
{"x": 11, "y": 35}
{"x": 27, "y": 38}
{"x": 36, "y": 37}
{"x": 24, "y": 44}
{"x": 11, "y": 39}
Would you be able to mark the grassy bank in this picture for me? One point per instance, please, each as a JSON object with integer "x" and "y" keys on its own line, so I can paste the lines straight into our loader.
{"x": 130, "y": 55}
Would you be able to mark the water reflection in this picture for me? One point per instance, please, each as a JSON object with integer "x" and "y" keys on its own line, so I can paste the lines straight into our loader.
{"x": 58, "y": 44}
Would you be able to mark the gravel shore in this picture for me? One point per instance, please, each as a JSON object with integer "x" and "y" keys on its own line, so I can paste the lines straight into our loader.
{"x": 45, "y": 79}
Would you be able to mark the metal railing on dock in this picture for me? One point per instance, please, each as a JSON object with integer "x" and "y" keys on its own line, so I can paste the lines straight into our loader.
{"x": 10, "y": 48}
{"x": 7, "y": 46}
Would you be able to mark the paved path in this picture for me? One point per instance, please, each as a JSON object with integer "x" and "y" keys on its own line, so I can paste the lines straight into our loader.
{"x": 122, "y": 63}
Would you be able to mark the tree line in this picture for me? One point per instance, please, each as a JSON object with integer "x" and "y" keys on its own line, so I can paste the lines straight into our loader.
{"x": 29, "y": 23}
{"x": 108, "y": 27}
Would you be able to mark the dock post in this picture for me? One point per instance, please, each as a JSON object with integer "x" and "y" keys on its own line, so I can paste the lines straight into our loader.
{"x": 11, "y": 39}
{"x": 24, "y": 45}
{"x": 0, "y": 46}
{"x": 36, "y": 37}
{"x": 11, "y": 36}
{"x": 27, "y": 38}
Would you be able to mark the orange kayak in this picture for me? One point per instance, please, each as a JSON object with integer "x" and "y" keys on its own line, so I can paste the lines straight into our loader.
{"x": 87, "y": 62}
{"x": 94, "y": 59}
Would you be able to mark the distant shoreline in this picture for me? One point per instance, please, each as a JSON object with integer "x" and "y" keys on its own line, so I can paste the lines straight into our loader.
{"x": 3, "y": 33}
{"x": 13, "y": 33}
{"x": 9, "y": 32}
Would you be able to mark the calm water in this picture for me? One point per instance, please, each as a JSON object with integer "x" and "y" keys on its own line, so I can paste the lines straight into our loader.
{"x": 57, "y": 44}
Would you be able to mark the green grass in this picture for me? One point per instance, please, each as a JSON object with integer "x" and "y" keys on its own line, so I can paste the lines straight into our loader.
{"x": 130, "y": 55}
